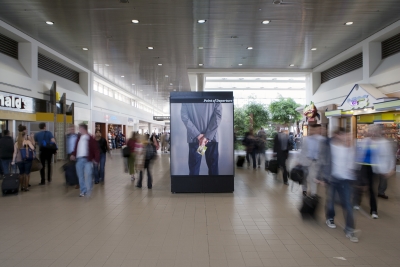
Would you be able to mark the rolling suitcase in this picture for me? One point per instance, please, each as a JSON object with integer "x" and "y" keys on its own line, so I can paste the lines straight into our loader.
{"x": 309, "y": 206}
{"x": 240, "y": 161}
{"x": 10, "y": 184}
{"x": 297, "y": 174}
{"x": 272, "y": 166}
{"x": 71, "y": 177}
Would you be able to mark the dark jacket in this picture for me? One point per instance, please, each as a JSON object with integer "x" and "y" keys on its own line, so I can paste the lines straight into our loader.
{"x": 6, "y": 147}
{"x": 94, "y": 153}
{"x": 103, "y": 146}
{"x": 281, "y": 145}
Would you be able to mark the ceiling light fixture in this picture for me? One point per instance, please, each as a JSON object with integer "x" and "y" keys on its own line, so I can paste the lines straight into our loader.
{"x": 200, "y": 47}
{"x": 159, "y": 64}
{"x": 249, "y": 48}
{"x": 201, "y": 21}
{"x": 313, "y": 49}
{"x": 265, "y": 21}
{"x": 85, "y": 49}
{"x": 174, "y": 90}
{"x": 49, "y": 22}
{"x": 166, "y": 76}
{"x": 135, "y": 21}
{"x": 150, "y": 47}
{"x": 107, "y": 65}
{"x": 349, "y": 23}
{"x": 133, "y": 84}
{"x": 240, "y": 64}
{"x": 291, "y": 65}
{"x": 122, "y": 76}
{"x": 141, "y": 90}
{"x": 200, "y": 65}
{"x": 170, "y": 84}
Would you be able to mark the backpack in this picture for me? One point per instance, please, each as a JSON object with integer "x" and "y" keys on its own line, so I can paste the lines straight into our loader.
{"x": 149, "y": 152}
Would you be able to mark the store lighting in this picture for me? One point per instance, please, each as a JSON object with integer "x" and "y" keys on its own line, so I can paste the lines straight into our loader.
{"x": 85, "y": 49}
{"x": 150, "y": 47}
{"x": 202, "y": 21}
{"x": 135, "y": 21}
{"x": 265, "y": 21}
{"x": 349, "y": 23}
{"x": 313, "y": 49}
{"x": 49, "y": 23}
{"x": 249, "y": 48}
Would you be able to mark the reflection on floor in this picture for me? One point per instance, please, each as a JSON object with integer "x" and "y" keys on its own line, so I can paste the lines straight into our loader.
{"x": 257, "y": 225}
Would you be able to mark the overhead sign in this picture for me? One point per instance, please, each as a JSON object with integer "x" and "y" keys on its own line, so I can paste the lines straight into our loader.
{"x": 17, "y": 103}
{"x": 161, "y": 118}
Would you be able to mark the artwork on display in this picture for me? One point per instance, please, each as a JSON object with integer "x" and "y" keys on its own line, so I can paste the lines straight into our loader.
{"x": 202, "y": 134}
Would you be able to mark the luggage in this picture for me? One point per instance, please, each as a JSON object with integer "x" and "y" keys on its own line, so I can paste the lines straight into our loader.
{"x": 309, "y": 206}
{"x": 36, "y": 165}
{"x": 71, "y": 177}
{"x": 297, "y": 174}
{"x": 240, "y": 161}
{"x": 126, "y": 152}
{"x": 272, "y": 166}
{"x": 10, "y": 184}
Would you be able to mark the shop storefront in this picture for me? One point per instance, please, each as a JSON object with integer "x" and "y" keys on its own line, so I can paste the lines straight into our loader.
{"x": 366, "y": 105}
{"x": 112, "y": 127}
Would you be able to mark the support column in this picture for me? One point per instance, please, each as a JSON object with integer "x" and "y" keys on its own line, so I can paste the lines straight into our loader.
{"x": 372, "y": 57}
{"x": 313, "y": 82}
{"x": 200, "y": 82}
{"x": 334, "y": 124}
{"x": 149, "y": 128}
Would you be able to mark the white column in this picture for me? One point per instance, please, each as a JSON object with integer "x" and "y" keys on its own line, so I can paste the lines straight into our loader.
{"x": 200, "y": 82}
{"x": 149, "y": 127}
{"x": 334, "y": 124}
{"x": 313, "y": 81}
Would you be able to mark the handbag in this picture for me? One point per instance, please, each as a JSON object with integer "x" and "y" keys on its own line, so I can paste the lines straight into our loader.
{"x": 126, "y": 152}
{"x": 36, "y": 165}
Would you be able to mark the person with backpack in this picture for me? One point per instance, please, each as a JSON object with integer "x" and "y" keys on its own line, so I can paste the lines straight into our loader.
{"x": 48, "y": 147}
{"x": 148, "y": 156}
{"x": 6, "y": 151}
{"x": 23, "y": 155}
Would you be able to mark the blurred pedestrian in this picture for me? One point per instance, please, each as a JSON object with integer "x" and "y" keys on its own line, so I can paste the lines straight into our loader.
{"x": 313, "y": 157}
{"x": 6, "y": 151}
{"x": 103, "y": 149}
{"x": 164, "y": 142}
{"x": 132, "y": 158}
{"x": 249, "y": 142}
{"x": 71, "y": 140}
{"x": 43, "y": 139}
{"x": 281, "y": 150}
{"x": 376, "y": 158}
{"x": 24, "y": 162}
{"x": 341, "y": 162}
{"x": 148, "y": 153}
{"x": 86, "y": 154}
{"x": 261, "y": 146}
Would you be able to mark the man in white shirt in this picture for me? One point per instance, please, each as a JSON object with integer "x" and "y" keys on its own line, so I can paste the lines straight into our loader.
{"x": 86, "y": 153}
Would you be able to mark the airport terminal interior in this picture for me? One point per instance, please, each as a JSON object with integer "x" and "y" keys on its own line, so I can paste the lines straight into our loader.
{"x": 216, "y": 99}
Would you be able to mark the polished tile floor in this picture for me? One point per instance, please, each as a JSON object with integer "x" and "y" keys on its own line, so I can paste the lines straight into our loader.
{"x": 120, "y": 225}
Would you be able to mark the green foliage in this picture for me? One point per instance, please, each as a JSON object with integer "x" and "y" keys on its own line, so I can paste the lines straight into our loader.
{"x": 283, "y": 111}
{"x": 242, "y": 117}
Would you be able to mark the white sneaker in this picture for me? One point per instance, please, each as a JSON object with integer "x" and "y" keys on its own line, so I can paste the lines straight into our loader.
{"x": 352, "y": 237}
{"x": 356, "y": 207}
{"x": 374, "y": 216}
{"x": 331, "y": 223}
{"x": 81, "y": 194}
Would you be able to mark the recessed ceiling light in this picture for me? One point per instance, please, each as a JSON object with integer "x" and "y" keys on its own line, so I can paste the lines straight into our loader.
{"x": 349, "y": 23}
{"x": 85, "y": 49}
{"x": 265, "y": 21}
{"x": 107, "y": 65}
{"x": 166, "y": 76}
{"x": 133, "y": 84}
{"x": 159, "y": 64}
{"x": 170, "y": 84}
{"x": 141, "y": 90}
{"x": 201, "y": 21}
{"x": 240, "y": 64}
{"x": 135, "y": 21}
{"x": 174, "y": 89}
{"x": 122, "y": 76}
{"x": 313, "y": 49}
{"x": 200, "y": 64}
{"x": 150, "y": 47}
{"x": 49, "y": 22}
{"x": 291, "y": 65}
{"x": 249, "y": 48}
{"x": 200, "y": 47}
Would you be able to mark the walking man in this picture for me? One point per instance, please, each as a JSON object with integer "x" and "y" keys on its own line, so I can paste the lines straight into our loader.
{"x": 43, "y": 138}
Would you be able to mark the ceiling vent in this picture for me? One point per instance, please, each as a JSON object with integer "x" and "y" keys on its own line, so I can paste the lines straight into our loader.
{"x": 8, "y": 46}
{"x": 391, "y": 46}
{"x": 342, "y": 68}
{"x": 57, "y": 68}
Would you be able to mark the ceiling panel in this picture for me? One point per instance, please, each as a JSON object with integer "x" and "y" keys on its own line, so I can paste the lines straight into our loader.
{"x": 104, "y": 26}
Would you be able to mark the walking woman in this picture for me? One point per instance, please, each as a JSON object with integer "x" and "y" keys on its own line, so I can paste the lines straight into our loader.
{"x": 104, "y": 148}
{"x": 131, "y": 160}
{"x": 24, "y": 162}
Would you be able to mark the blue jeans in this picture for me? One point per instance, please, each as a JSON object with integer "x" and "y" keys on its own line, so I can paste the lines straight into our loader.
{"x": 113, "y": 144}
{"x": 24, "y": 167}
{"x": 84, "y": 169}
{"x": 5, "y": 165}
{"x": 343, "y": 188}
{"x": 99, "y": 169}
{"x": 211, "y": 155}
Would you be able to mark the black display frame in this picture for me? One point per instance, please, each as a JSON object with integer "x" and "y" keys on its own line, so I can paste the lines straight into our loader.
{"x": 202, "y": 183}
